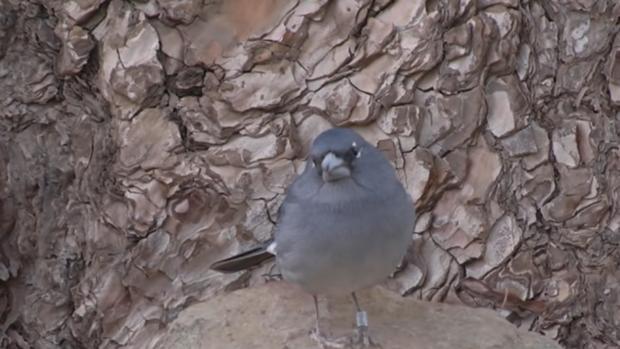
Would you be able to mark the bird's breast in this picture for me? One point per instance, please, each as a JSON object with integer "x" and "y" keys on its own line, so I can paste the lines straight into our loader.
{"x": 342, "y": 247}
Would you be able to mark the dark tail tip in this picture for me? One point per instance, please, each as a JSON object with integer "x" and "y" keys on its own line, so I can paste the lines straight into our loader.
{"x": 242, "y": 261}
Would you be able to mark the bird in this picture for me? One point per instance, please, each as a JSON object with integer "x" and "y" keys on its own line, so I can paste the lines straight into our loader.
{"x": 345, "y": 224}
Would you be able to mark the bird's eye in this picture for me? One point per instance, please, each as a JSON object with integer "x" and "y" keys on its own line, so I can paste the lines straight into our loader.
{"x": 351, "y": 154}
{"x": 316, "y": 162}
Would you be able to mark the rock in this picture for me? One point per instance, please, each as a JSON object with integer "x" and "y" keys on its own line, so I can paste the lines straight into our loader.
{"x": 279, "y": 315}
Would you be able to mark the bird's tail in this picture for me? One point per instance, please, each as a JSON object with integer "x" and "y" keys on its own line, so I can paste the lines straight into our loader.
{"x": 244, "y": 260}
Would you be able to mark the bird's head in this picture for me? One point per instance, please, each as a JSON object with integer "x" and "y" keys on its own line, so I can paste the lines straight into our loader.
{"x": 336, "y": 152}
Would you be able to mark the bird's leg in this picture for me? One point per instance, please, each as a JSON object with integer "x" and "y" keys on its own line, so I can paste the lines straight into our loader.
{"x": 324, "y": 342}
{"x": 317, "y": 327}
{"x": 363, "y": 338}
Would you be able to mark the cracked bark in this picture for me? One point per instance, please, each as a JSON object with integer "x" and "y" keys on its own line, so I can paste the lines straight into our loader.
{"x": 140, "y": 141}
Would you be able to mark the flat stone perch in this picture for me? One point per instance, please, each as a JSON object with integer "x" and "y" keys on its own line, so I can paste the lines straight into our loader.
{"x": 280, "y": 316}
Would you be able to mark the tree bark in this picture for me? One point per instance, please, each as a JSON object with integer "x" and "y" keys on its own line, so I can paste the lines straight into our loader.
{"x": 142, "y": 140}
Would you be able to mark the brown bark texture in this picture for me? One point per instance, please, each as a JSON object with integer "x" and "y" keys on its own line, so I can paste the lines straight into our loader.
{"x": 142, "y": 140}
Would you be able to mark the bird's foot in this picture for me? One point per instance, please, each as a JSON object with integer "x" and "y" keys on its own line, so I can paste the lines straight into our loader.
{"x": 272, "y": 275}
{"x": 361, "y": 339}
{"x": 328, "y": 343}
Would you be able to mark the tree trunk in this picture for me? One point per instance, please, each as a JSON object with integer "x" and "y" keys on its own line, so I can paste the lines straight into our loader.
{"x": 142, "y": 140}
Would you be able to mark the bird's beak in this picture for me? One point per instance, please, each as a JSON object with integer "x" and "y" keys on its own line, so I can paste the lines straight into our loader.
{"x": 334, "y": 168}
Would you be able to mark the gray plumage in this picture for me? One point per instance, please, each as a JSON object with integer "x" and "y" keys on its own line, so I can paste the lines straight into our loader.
{"x": 345, "y": 224}
{"x": 338, "y": 235}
